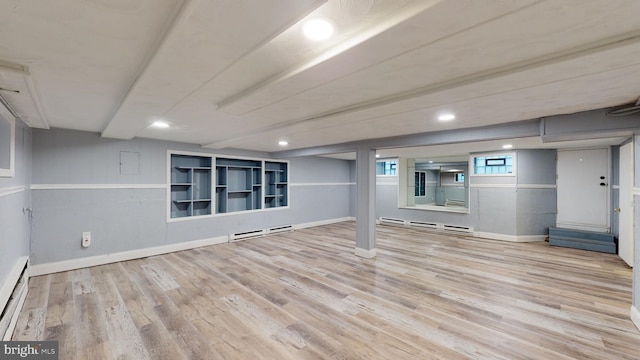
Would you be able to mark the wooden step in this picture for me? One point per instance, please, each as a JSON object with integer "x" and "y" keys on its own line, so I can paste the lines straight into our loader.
{"x": 581, "y": 239}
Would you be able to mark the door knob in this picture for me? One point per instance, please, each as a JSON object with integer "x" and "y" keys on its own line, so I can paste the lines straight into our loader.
{"x": 617, "y": 210}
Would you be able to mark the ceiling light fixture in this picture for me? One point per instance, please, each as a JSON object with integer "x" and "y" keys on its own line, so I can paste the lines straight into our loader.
{"x": 283, "y": 143}
{"x": 318, "y": 29}
{"x": 507, "y": 146}
{"x": 446, "y": 117}
{"x": 377, "y": 155}
{"x": 160, "y": 124}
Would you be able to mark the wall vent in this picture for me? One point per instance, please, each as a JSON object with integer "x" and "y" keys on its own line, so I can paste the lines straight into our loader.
{"x": 388, "y": 221}
{"x": 245, "y": 235}
{"x": 423, "y": 224}
{"x": 278, "y": 229}
{"x": 465, "y": 229}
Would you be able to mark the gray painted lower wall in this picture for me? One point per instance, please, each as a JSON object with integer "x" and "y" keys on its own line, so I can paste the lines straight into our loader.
{"x": 522, "y": 204}
{"x": 129, "y": 219}
{"x": 536, "y": 211}
{"x": 14, "y": 222}
{"x": 387, "y": 206}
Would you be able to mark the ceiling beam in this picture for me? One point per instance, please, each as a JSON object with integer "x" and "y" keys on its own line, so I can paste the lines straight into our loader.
{"x": 379, "y": 27}
{"x": 519, "y": 129}
{"x": 162, "y": 44}
{"x": 593, "y": 124}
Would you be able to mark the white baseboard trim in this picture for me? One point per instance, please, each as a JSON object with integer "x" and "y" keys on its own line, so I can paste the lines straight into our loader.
{"x": 66, "y": 265}
{"x": 72, "y": 264}
{"x": 323, "y": 222}
{"x": 364, "y": 253}
{"x": 10, "y": 282}
{"x": 512, "y": 238}
{"x": 635, "y": 316}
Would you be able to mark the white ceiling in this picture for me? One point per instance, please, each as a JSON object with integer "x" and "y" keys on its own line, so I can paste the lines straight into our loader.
{"x": 228, "y": 73}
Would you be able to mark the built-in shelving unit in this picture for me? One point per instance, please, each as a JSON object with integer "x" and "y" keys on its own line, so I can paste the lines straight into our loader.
{"x": 238, "y": 185}
{"x": 190, "y": 185}
{"x": 202, "y": 184}
{"x": 276, "y": 184}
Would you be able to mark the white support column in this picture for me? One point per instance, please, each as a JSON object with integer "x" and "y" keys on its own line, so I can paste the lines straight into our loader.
{"x": 366, "y": 202}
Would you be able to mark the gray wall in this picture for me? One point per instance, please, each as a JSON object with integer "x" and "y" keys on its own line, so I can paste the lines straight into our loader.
{"x": 536, "y": 208}
{"x": 14, "y": 223}
{"x": 353, "y": 193}
{"x": 127, "y": 219}
{"x": 496, "y": 204}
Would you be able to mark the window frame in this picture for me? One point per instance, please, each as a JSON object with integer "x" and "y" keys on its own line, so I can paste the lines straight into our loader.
{"x": 5, "y": 115}
{"x": 395, "y": 161}
{"x": 472, "y": 163}
{"x": 417, "y": 184}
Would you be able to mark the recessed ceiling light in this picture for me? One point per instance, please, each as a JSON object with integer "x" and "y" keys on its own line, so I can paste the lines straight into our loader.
{"x": 377, "y": 155}
{"x": 507, "y": 146}
{"x": 318, "y": 29}
{"x": 160, "y": 124}
{"x": 430, "y": 161}
{"x": 283, "y": 143}
{"x": 446, "y": 117}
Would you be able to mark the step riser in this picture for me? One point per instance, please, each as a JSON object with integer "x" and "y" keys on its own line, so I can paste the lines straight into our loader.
{"x": 585, "y": 240}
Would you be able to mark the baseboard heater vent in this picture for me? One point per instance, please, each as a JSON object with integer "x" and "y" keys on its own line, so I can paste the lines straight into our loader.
{"x": 386, "y": 220}
{"x": 278, "y": 229}
{"x": 9, "y": 315}
{"x": 423, "y": 224}
{"x": 245, "y": 235}
{"x": 465, "y": 229}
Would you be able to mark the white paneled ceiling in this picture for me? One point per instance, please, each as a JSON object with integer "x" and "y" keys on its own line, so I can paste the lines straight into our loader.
{"x": 240, "y": 74}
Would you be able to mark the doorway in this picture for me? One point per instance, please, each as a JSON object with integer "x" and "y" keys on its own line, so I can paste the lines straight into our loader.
{"x": 583, "y": 189}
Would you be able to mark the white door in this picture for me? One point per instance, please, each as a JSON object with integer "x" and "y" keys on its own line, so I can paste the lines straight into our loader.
{"x": 625, "y": 218}
{"x": 583, "y": 189}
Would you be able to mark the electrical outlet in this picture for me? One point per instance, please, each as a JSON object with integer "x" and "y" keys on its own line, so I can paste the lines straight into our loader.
{"x": 86, "y": 239}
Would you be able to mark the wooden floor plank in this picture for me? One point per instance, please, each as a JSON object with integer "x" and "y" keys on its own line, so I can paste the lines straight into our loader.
{"x": 304, "y": 295}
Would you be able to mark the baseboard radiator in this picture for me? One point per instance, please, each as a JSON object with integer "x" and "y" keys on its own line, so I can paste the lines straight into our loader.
{"x": 425, "y": 224}
{"x": 256, "y": 233}
{"x": 9, "y": 315}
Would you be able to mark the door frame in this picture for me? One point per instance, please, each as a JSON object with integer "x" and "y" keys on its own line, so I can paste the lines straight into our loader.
{"x": 629, "y": 206}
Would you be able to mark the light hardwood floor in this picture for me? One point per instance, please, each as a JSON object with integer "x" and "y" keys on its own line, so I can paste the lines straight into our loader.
{"x": 304, "y": 295}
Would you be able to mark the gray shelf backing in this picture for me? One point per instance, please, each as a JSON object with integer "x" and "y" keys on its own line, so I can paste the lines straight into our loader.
{"x": 276, "y": 187}
{"x": 243, "y": 181}
{"x": 190, "y": 185}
